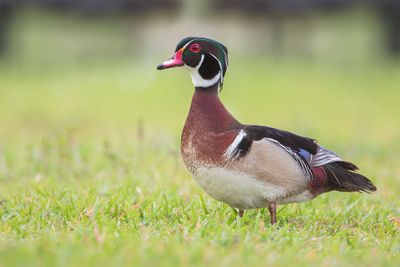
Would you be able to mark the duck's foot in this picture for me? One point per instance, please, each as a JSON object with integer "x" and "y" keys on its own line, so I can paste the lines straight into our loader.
{"x": 241, "y": 212}
{"x": 272, "y": 212}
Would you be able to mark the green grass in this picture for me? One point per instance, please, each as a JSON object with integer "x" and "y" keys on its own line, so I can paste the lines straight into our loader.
{"x": 91, "y": 175}
{"x": 90, "y": 171}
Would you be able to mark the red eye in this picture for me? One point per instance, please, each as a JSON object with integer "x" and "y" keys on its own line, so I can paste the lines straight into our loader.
{"x": 195, "y": 48}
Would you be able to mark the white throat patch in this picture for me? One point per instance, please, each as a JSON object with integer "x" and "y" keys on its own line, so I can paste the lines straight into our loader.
{"x": 199, "y": 81}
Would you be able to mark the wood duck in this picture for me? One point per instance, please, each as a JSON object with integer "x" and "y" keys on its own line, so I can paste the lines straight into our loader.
{"x": 249, "y": 166}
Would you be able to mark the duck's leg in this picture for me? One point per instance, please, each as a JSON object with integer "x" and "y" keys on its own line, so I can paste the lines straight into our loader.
{"x": 272, "y": 212}
{"x": 241, "y": 212}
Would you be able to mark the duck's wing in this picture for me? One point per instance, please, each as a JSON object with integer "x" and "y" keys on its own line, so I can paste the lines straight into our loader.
{"x": 324, "y": 169}
{"x": 293, "y": 141}
{"x": 293, "y": 144}
{"x": 307, "y": 148}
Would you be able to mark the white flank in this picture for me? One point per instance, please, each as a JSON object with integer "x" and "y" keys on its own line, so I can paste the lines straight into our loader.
{"x": 229, "y": 153}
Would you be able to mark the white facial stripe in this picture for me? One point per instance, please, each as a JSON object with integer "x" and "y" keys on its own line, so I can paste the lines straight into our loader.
{"x": 221, "y": 72}
{"x": 199, "y": 81}
{"x": 201, "y": 62}
{"x": 188, "y": 43}
{"x": 229, "y": 153}
{"x": 226, "y": 60}
{"x": 219, "y": 62}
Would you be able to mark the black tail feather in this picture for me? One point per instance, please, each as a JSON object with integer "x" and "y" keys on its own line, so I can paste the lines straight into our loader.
{"x": 347, "y": 165}
{"x": 341, "y": 177}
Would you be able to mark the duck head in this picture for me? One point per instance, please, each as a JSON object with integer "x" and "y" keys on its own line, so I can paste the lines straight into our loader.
{"x": 206, "y": 60}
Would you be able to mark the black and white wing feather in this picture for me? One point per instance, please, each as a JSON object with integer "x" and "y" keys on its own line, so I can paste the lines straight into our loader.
{"x": 290, "y": 142}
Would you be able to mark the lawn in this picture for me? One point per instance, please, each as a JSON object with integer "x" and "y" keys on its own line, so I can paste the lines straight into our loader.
{"x": 91, "y": 174}
{"x": 90, "y": 171}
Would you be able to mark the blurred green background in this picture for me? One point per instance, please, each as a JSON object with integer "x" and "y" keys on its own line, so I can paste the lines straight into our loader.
{"x": 88, "y": 124}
